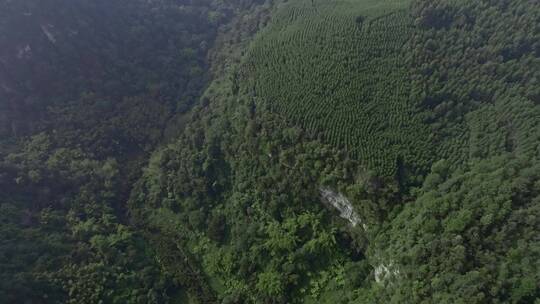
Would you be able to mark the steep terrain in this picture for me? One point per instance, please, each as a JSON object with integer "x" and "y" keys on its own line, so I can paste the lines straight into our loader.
{"x": 337, "y": 69}
{"x": 87, "y": 90}
{"x": 299, "y": 151}
{"x": 317, "y": 78}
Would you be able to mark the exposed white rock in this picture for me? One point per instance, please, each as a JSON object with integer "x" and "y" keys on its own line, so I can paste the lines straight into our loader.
{"x": 384, "y": 272}
{"x": 48, "y": 33}
{"x": 343, "y": 205}
{"x": 23, "y": 51}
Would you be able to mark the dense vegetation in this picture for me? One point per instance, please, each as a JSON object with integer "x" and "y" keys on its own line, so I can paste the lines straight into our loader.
{"x": 184, "y": 160}
{"x": 337, "y": 69}
{"x": 87, "y": 90}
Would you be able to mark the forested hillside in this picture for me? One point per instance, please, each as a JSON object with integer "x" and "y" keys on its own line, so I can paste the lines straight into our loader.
{"x": 87, "y": 90}
{"x": 244, "y": 151}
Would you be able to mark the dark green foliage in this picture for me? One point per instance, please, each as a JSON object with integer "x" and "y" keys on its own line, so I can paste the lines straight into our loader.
{"x": 63, "y": 239}
{"x": 478, "y": 76}
{"x": 124, "y": 192}
{"x": 344, "y": 77}
{"x": 87, "y": 89}
{"x": 266, "y": 236}
{"x": 73, "y": 65}
{"x": 470, "y": 237}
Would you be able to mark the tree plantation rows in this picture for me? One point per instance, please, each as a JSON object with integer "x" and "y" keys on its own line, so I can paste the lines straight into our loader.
{"x": 442, "y": 80}
{"x": 478, "y": 82}
{"x": 189, "y": 151}
{"x": 337, "y": 69}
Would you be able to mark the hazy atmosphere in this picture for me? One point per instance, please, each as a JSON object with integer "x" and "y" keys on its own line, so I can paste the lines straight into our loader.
{"x": 270, "y": 151}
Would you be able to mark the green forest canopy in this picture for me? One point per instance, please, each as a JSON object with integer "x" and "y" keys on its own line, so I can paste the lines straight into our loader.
{"x": 178, "y": 150}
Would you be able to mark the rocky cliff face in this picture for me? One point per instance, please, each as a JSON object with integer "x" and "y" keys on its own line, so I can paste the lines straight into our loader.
{"x": 343, "y": 205}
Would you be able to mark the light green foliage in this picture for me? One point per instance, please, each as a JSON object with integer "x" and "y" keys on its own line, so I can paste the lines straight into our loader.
{"x": 238, "y": 193}
{"x": 463, "y": 236}
{"x": 357, "y": 96}
{"x": 270, "y": 284}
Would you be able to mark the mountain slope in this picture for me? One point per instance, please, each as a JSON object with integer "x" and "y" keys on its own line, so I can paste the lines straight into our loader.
{"x": 87, "y": 90}
{"x": 446, "y": 236}
{"x": 351, "y": 151}
{"x": 337, "y": 69}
